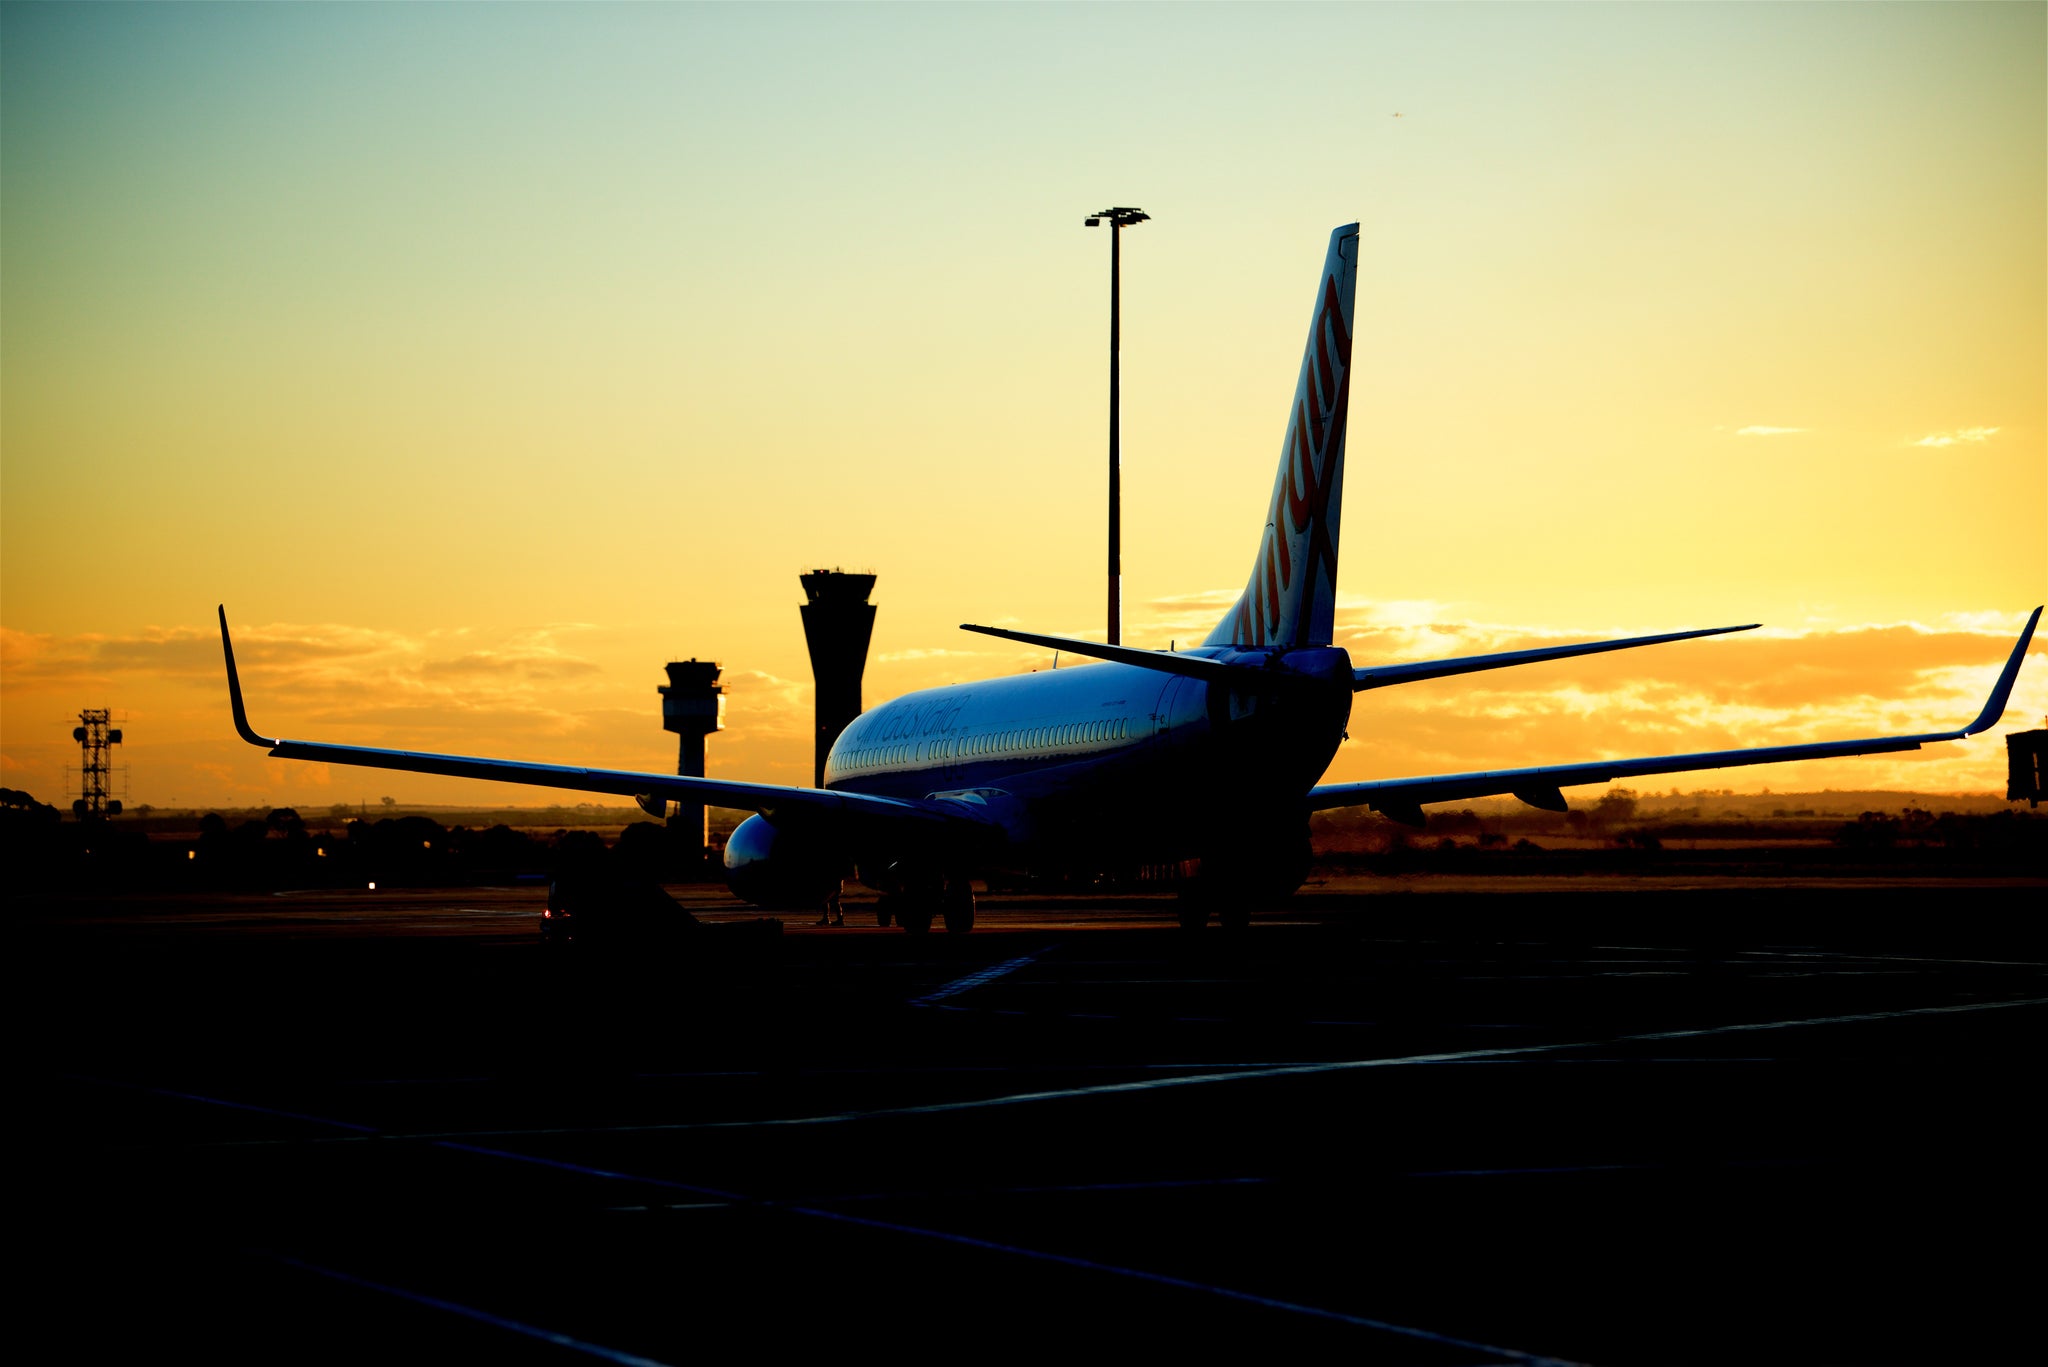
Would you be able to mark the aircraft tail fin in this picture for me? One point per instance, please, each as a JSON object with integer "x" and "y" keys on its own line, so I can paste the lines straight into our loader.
{"x": 1290, "y": 599}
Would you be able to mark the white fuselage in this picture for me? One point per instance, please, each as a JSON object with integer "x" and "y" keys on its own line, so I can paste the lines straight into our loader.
{"x": 1088, "y": 758}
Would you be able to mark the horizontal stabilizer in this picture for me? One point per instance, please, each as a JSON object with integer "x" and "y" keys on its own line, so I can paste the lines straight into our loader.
{"x": 1401, "y": 798}
{"x": 1242, "y": 677}
{"x": 1380, "y": 676}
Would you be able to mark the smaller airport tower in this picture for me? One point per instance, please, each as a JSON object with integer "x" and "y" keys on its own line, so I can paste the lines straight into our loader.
{"x": 96, "y": 738}
{"x": 839, "y": 621}
{"x": 692, "y": 706}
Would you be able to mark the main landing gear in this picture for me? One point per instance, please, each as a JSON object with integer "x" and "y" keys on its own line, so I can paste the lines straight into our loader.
{"x": 1256, "y": 871}
{"x": 1233, "y": 915}
{"x": 915, "y": 907}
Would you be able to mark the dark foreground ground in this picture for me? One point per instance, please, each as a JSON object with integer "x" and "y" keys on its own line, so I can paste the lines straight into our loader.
{"x": 1416, "y": 1122}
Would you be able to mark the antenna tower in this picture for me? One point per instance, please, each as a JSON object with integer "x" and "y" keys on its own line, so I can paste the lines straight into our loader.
{"x": 95, "y": 737}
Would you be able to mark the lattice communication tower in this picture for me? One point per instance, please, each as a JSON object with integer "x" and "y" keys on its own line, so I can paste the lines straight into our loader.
{"x": 96, "y": 737}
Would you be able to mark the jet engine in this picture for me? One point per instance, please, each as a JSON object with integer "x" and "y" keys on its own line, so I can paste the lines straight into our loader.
{"x": 778, "y": 868}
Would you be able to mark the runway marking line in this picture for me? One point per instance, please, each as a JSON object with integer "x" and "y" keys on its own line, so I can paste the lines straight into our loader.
{"x": 1032, "y": 1254}
{"x": 837, "y": 1217}
{"x": 1505, "y": 1053}
{"x": 849, "y": 1198}
{"x": 575, "y": 1345}
{"x": 1196, "y": 1079}
{"x": 977, "y": 979}
{"x": 1188, "y": 1284}
{"x": 367, "y": 1131}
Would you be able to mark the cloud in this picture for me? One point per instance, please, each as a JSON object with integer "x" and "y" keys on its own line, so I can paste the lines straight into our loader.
{"x": 1423, "y": 614}
{"x": 529, "y": 664}
{"x": 766, "y": 706}
{"x": 1961, "y": 434}
{"x": 1767, "y": 431}
{"x": 1722, "y": 693}
{"x": 522, "y": 695}
{"x": 900, "y": 656}
{"x": 1207, "y": 600}
{"x": 31, "y": 662}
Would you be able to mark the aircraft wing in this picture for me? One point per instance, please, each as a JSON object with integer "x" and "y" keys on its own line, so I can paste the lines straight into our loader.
{"x": 1402, "y": 798}
{"x": 645, "y": 788}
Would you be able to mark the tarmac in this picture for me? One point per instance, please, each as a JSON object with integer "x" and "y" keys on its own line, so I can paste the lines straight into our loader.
{"x": 1409, "y": 1120}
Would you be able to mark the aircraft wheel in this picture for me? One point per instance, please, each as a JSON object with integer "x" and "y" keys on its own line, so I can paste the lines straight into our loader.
{"x": 959, "y": 911}
{"x": 1193, "y": 914}
{"x": 1235, "y": 920}
{"x": 885, "y": 910}
{"x": 914, "y": 922}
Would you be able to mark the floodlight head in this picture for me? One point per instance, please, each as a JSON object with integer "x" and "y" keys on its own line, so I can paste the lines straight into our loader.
{"x": 1090, "y": 223}
{"x": 1120, "y": 217}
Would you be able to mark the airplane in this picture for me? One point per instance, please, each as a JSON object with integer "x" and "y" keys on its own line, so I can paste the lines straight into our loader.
{"x": 1212, "y": 753}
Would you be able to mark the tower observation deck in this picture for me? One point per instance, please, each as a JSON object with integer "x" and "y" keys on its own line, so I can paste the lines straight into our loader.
{"x": 692, "y": 706}
{"x": 839, "y": 621}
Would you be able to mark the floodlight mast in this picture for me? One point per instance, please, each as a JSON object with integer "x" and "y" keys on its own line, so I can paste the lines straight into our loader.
{"x": 1119, "y": 219}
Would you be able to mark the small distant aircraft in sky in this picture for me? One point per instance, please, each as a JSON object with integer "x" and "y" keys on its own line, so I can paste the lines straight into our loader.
{"x": 1211, "y": 753}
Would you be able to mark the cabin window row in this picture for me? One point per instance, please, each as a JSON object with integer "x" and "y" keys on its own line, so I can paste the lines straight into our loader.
{"x": 1021, "y": 741}
{"x": 877, "y": 755}
{"x": 1034, "y": 738}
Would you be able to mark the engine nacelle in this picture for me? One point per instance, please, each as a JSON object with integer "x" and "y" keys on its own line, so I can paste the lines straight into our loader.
{"x": 779, "y": 869}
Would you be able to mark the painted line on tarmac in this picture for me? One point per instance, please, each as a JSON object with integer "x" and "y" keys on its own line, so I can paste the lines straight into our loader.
{"x": 368, "y": 1134}
{"x": 921, "y": 1070}
{"x": 818, "y": 1213}
{"x": 1032, "y": 1254}
{"x": 1164, "y": 1184}
{"x": 1741, "y": 1164}
{"x": 1895, "y": 958}
{"x": 368, "y": 1131}
{"x": 955, "y": 1193}
{"x": 574, "y": 1345}
{"x": 1203, "y": 1079}
{"x": 1456, "y": 1056}
{"x": 1536, "y": 1172}
{"x": 986, "y": 975}
{"x": 1184, "y": 1284}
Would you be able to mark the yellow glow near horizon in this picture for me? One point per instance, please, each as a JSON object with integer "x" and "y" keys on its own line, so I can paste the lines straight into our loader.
{"x": 483, "y": 359}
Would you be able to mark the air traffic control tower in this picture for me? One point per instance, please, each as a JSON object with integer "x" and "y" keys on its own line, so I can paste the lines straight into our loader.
{"x": 838, "y": 623}
{"x": 692, "y": 706}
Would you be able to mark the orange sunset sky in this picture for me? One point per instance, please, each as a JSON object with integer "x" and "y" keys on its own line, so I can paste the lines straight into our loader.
{"x": 482, "y": 358}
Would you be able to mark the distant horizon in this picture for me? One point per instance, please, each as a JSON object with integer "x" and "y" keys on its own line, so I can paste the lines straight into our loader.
{"x": 1586, "y": 796}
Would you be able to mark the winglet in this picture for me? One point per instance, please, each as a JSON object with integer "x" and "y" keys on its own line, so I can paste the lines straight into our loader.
{"x": 1994, "y": 708}
{"x": 235, "y": 688}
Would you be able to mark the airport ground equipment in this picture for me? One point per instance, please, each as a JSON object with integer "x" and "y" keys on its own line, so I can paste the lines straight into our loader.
{"x": 839, "y": 621}
{"x": 692, "y": 706}
{"x": 96, "y": 739}
{"x": 1213, "y": 753}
